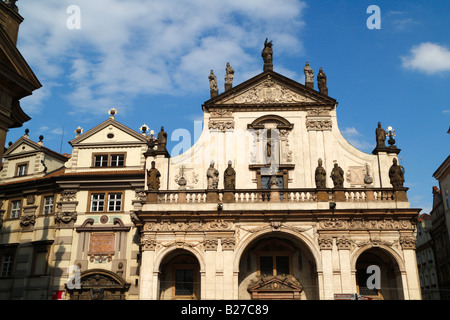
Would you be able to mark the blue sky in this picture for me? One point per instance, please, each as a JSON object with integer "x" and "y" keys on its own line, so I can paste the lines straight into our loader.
{"x": 150, "y": 60}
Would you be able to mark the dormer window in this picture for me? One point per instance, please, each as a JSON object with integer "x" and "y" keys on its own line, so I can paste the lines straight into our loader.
{"x": 109, "y": 160}
{"x": 21, "y": 169}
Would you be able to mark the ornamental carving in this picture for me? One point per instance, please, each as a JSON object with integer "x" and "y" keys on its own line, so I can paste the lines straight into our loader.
{"x": 219, "y": 113}
{"x": 343, "y": 243}
{"x": 68, "y": 195}
{"x": 148, "y": 243}
{"x": 65, "y": 218}
{"x": 361, "y": 224}
{"x": 228, "y": 243}
{"x": 140, "y": 194}
{"x": 28, "y": 221}
{"x": 210, "y": 244}
{"x": 408, "y": 242}
{"x": 317, "y": 112}
{"x": 325, "y": 243}
{"x": 269, "y": 92}
{"x": 318, "y": 125}
{"x": 221, "y": 125}
{"x": 167, "y": 225}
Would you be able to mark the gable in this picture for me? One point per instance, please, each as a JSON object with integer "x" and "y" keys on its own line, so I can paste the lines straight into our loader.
{"x": 270, "y": 88}
{"x": 109, "y": 132}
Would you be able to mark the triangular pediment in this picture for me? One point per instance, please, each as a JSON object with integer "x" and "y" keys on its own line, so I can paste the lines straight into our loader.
{"x": 275, "y": 283}
{"x": 270, "y": 88}
{"x": 109, "y": 132}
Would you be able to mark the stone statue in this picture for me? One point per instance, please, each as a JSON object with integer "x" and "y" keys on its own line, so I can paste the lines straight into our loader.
{"x": 213, "y": 176}
{"x": 229, "y": 177}
{"x": 162, "y": 139}
{"x": 337, "y": 175}
{"x": 380, "y": 135}
{"x": 322, "y": 82}
{"x": 267, "y": 55}
{"x": 213, "y": 84}
{"x": 153, "y": 178}
{"x": 396, "y": 175}
{"x": 229, "y": 75}
{"x": 320, "y": 175}
{"x": 309, "y": 76}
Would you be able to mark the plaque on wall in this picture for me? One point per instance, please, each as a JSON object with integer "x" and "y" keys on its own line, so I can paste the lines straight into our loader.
{"x": 101, "y": 247}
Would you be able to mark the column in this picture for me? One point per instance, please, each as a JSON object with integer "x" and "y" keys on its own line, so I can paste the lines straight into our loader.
{"x": 148, "y": 283}
{"x": 326, "y": 245}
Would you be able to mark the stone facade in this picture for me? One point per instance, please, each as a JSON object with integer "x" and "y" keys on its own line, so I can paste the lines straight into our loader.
{"x": 272, "y": 233}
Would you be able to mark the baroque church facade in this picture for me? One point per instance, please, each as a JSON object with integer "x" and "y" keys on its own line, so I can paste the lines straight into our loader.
{"x": 271, "y": 202}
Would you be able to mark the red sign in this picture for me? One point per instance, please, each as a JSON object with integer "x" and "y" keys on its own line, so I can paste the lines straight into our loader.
{"x": 59, "y": 295}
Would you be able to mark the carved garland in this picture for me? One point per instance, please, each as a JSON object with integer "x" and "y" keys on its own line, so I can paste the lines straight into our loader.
{"x": 360, "y": 224}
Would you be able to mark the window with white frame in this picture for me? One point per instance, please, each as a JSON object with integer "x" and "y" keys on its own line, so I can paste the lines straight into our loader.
{"x": 115, "y": 202}
{"x": 101, "y": 160}
{"x": 22, "y": 169}
{"x": 48, "y": 204}
{"x": 16, "y": 206}
{"x": 116, "y": 160}
{"x": 97, "y": 202}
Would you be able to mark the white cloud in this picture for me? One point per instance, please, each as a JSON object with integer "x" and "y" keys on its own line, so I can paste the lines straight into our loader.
{"x": 125, "y": 48}
{"x": 355, "y": 138}
{"x": 429, "y": 58}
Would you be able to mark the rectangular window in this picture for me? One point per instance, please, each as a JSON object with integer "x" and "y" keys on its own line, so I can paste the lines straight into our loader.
{"x": 97, "y": 202}
{"x": 101, "y": 160}
{"x": 16, "y": 207}
{"x": 48, "y": 204}
{"x": 115, "y": 202}
{"x": 22, "y": 170}
{"x": 109, "y": 160}
{"x": 184, "y": 282}
{"x": 266, "y": 265}
{"x": 106, "y": 201}
{"x": 7, "y": 265}
{"x": 116, "y": 160}
{"x": 282, "y": 265}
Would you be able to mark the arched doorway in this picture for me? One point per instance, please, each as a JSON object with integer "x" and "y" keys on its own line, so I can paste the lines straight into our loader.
{"x": 179, "y": 276}
{"x": 100, "y": 284}
{"x": 378, "y": 275}
{"x": 277, "y": 267}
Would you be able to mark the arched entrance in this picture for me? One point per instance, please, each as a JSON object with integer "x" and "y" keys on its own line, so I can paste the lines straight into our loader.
{"x": 277, "y": 267}
{"x": 378, "y": 275}
{"x": 100, "y": 284}
{"x": 179, "y": 276}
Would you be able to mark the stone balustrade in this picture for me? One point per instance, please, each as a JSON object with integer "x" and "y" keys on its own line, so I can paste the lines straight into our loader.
{"x": 277, "y": 195}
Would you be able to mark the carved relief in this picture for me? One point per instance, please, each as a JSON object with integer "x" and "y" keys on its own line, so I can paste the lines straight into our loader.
{"x": 408, "y": 242}
{"x": 210, "y": 244}
{"x": 167, "y": 225}
{"x": 140, "y": 194}
{"x": 343, "y": 243}
{"x": 148, "y": 243}
{"x": 68, "y": 195}
{"x": 228, "y": 243}
{"x": 28, "y": 221}
{"x": 317, "y": 112}
{"x": 361, "y": 224}
{"x": 325, "y": 243}
{"x": 221, "y": 125}
{"x": 220, "y": 113}
{"x": 65, "y": 219}
{"x": 269, "y": 92}
{"x": 318, "y": 125}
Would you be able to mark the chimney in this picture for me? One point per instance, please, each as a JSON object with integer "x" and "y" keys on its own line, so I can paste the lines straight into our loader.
{"x": 10, "y": 19}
